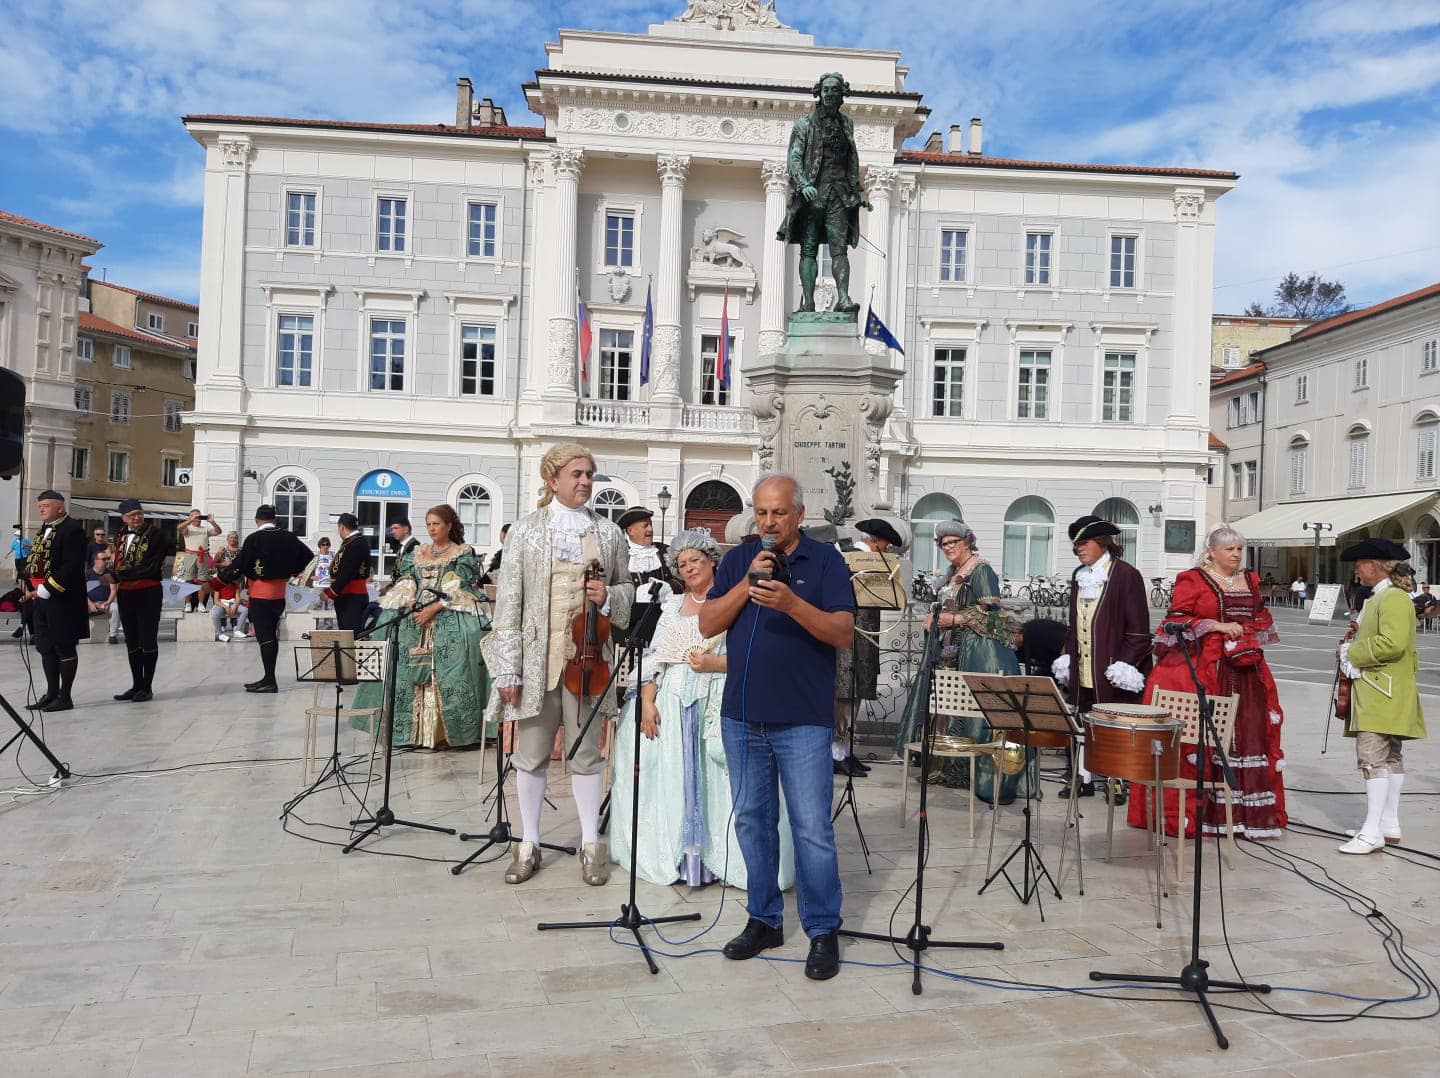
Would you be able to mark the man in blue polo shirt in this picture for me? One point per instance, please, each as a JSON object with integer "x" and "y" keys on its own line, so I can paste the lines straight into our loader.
{"x": 778, "y": 711}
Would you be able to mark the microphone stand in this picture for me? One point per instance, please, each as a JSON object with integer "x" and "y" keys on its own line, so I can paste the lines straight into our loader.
{"x": 384, "y": 816}
{"x": 917, "y": 940}
{"x": 1194, "y": 976}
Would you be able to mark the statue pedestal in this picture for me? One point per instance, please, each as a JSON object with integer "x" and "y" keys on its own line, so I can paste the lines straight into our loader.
{"x": 820, "y": 405}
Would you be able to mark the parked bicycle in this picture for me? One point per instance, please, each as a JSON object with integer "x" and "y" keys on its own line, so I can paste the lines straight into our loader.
{"x": 1160, "y": 593}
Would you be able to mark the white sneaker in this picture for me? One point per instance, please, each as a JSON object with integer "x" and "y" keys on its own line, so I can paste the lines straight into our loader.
{"x": 224, "y": 638}
{"x": 1390, "y": 834}
{"x": 1363, "y": 843}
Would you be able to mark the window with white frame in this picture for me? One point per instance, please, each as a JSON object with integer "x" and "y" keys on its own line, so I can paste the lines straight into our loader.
{"x": 954, "y": 245}
{"x": 472, "y": 506}
{"x": 610, "y": 503}
{"x": 1033, "y": 390}
{"x": 1430, "y": 356}
{"x": 84, "y": 400}
{"x": 617, "y": 354}
{"x": 119, "y": 467}
{"x": 192, "y": 330}
{"x": 1123, "y": 260}
{"x": 480, "y": 229}
{"x": 188, "y": 369}
{"x": 121, "y": 358}
{"x": 1037, "y": 257}
{"x": 391, "y": 224}
{"x": 292, "y": 504}
{"x": 174, "y": 422}
{"x": 1425, "y": 452}
{"x": 1252, "y": 478}
{"x": 619, "y": 239}
{"x": 824, "y": 263}
{"x": 477, "y": 361}
{"x": 1252, "y": 406}
{"x": 1237, "y": 481}
{"x": 1232, "y": 413}
{"x": 295, "y": 350}
{"x": 1302, "y": 388}
{"x": 155, "y": 322}
{"x": 387, "y": 354}
{"x": 1029, "y": 534}
{"x": 1362, "y": 373}
{"x": 119, "y": 406}
{"x": 1298, "y": 457}
{"x": 300, "y": 215}
{"x": 170, "y": 472}
{"x": 80, "y": 462}
{"x": 84, "y": 349}
{"x": 1117, "y": 404}
{"x": 948, "y": 383}
{"x": 1359, "y": 451}
{"x": 1231, "y": 356}
{"x": 711, "y": 391}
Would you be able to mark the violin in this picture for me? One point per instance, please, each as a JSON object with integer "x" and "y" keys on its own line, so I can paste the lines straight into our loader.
{"x": 1342, "y": 683}
{"x": 590, "y": 632}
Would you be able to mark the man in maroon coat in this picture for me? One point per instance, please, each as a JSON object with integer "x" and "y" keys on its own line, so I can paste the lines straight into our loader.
{"x": 1107, "y": 644}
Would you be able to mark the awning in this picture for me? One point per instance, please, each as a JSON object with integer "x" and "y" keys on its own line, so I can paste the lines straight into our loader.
{"x": 153, "y": 510}
{"x": 1284, "y": 525}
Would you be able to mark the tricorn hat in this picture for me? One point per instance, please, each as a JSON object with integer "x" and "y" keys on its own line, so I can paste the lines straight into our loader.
{"x": 131, "y": 505}
{"x": 1091, "y": 527}
{"x": 1375, "y": 550}
{"x": 879, "y": 529}
{"x": 634, "y": 515}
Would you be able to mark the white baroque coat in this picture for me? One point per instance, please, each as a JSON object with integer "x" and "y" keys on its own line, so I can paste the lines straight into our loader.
{"x": 519, "y": 636}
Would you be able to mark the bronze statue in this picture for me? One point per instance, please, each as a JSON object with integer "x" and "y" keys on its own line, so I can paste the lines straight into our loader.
{"x": 825, "y": 192}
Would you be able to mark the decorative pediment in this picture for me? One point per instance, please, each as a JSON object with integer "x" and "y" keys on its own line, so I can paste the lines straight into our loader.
{"x": 8, "y": 284}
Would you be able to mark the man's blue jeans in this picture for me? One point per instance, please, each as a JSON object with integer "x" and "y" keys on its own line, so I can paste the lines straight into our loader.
{"x": 758, "y": 757}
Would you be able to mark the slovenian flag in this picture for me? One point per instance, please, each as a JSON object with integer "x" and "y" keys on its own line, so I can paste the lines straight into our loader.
{"x": 587, "y": 338}
{"x": 647, "y": 335}
{"x": 722, "y": 352}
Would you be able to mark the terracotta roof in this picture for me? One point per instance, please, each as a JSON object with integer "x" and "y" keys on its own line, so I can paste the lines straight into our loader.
{"x": 1360, "y": 315}
{"x": 16, "y": 219}
{"x": 718, "y": 84}
{"x": 349, "y": 125}
{"x": 1216, "y": 443}
{"x": 93, "y": 323}
{"x": 1244, "y": 374}
{"x": 151, "y": 296}
{"x": 922, "y": 157}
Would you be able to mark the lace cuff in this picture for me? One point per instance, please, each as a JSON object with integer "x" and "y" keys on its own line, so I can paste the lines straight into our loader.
{"x": 1125, "y": 677}
{"x": 506, "y": 681}
{"x": 1060, "y": 669}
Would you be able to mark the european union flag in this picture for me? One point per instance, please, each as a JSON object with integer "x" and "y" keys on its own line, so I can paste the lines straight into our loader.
{"x": 875, "y": 331}
{"x": 647, "y": 337}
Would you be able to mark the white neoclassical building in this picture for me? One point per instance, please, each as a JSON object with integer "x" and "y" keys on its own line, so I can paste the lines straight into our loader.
{"x": 391, "y": 310}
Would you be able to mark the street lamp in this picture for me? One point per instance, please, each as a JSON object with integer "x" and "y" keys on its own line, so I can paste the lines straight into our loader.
{"x": 663, "y": 500}
{"x": 1317, "y": 528}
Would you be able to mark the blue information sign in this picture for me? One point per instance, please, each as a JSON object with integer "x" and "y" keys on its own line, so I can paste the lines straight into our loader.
{"x": 383, "y": 484}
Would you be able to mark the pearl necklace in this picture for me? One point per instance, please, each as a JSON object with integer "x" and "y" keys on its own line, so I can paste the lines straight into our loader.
{"x": 1229, "y": 580}
{"x": 695, "y": 599}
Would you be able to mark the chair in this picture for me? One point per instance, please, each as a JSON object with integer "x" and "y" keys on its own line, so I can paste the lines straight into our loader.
{"x": 375, "y": 659}
{"x": 951, "y": 698}
{"x": 1185, "y": 706}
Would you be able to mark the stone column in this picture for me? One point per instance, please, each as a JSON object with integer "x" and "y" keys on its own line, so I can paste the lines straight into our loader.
{"x": 772, "y": 288}
{"x": 560, "y": 393}
{"x": 881, "y": 184}
{"x": 669, "y": 276}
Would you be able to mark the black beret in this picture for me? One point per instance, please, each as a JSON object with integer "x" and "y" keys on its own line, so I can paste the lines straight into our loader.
{"x": 265, "y": 512}
{"x": 1091, "y": 527}
{"x": 879, "y": 529}
{"x": 1375, "y": 550}
{"x": 634, "y": 515}
{"x": 130, "y": 505}
{"x": 49, "y": 496}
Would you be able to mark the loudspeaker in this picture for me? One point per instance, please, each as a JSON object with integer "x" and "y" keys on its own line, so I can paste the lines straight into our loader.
{"x": 12, "y": 423}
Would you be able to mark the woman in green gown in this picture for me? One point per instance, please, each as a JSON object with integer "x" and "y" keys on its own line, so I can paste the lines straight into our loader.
{"x": 443, "y": 686}
{"x": 974, "y": 637}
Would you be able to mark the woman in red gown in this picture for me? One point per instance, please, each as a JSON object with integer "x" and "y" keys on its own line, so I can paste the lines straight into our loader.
{"x": 1229, "y": 626}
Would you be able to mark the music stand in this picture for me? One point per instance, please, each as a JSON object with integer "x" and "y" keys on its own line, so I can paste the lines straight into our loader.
{"x": 1023, "y": 705}
{"x": 334, "y": 659}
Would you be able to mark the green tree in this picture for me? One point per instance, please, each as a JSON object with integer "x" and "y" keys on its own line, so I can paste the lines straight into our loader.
{"x": 1309, "y": 298}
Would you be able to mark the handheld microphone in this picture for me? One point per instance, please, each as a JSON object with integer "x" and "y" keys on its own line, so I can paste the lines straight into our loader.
{"x": 767, "y": 542}
{"x": 782, "y": 566}
{"x": 1177, "y": 628}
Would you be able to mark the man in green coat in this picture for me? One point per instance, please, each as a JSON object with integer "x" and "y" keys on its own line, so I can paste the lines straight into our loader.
{"x": 1384, "y": 701}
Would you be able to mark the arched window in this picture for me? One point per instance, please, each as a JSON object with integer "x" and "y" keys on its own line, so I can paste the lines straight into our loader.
{"x": 1127, "y": 518}
{"x": 1029, "y": 538}
{"x": 1427, "y": 550}
{"x": 292, "y": 505}
{"x": 928, "y": 512}
{"x": 472, "y": 504}
{"x": 610, "y": 503}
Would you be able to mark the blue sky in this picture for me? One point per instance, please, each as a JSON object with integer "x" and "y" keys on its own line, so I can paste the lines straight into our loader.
{"x": 1329, "y": 110}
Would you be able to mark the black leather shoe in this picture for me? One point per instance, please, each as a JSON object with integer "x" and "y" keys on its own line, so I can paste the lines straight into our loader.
{"x": 757, "y": 937}
{"x": 43, "y": 702}
{"x": 1086, "y": 789}
{"x": 1118, "y": 792}
{"x": 128, "y": 694}
{"x": 18, "y": 633}
{"x": 862, "y": 768}
{"x": 140, "y": 696}
{"x": 262, "y": 686}
{"x": 60, "y": 703}
{"x": 824, "y": 960}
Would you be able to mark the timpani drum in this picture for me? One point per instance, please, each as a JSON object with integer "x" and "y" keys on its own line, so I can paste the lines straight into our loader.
{"x": 1125, "y": 741}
